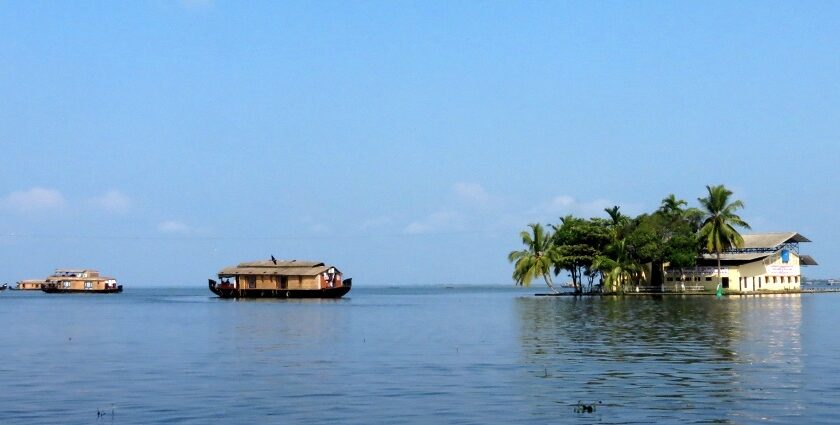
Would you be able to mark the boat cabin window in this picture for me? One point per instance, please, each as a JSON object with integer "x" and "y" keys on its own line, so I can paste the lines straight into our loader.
{"x": 283, "y": 283}
{"x": 66, "y": 283}
{"x": 88, "y": 285}
{"x": 252, "y": 282}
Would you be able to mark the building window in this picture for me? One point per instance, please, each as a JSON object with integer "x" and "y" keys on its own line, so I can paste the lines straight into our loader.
{"x": 708, "y": 278}
{"x": 796, "y": 279}
{"x": 697, "y": 278}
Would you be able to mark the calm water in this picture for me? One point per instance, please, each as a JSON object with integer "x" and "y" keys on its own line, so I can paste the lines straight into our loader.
{"x": 417, "y": 355}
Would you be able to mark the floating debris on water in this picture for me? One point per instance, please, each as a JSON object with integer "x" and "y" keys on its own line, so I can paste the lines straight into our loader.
{"x": 586, "y": 408}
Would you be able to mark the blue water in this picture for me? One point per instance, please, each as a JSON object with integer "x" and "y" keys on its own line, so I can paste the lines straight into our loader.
{"x": 417, "y": 355}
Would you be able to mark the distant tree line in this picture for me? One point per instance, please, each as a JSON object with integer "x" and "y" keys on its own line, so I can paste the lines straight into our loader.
{"x": 613, "y": 250}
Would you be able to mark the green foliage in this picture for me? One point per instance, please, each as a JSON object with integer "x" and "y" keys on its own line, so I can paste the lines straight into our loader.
{"x": 614, "y": 248}
{"x": 718, "y": 230}
{"x": 717, "y": 233}
{"x": 667, "y": 236}
{"x": 578, "y": 243}
{"x": 618, "y": 265}
{"x": 537, "y": 259}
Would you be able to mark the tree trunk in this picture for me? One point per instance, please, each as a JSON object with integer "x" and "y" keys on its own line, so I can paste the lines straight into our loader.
{"x": 547, "y": 278}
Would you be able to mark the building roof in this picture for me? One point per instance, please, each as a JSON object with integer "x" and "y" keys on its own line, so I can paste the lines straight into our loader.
{"x": 278, "y": 268}
{"x": 807, "y": 260}
{"x": 771, "y": 240}
{"x": 746, "y": 257}
{"x": 737, "y": 256}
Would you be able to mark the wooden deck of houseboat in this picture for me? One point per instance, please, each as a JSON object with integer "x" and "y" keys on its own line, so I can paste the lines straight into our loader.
{"x": 54, "y": 289}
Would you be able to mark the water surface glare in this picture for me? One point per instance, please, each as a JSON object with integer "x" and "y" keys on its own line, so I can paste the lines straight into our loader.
{"x": 417, "y": 355}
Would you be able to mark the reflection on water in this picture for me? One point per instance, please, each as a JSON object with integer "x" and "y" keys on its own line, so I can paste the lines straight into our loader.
{"x": 417, "y": 355}
{"x": 658, "y": 358}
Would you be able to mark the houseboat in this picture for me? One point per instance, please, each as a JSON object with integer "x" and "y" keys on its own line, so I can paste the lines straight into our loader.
{"x": 280, "y": 279}
{"x": 29, "y": 285}
{"x": 80, "y": 281}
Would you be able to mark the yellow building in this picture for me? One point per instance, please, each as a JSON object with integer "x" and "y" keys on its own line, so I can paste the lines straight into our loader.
{"x": 766, "y": 262}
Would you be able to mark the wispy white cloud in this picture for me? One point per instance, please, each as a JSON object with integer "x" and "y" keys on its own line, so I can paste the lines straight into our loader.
{"x": 435, "y": 222}
{"x": 562, "y": 205}
{"x": 113, "y": 201}
{"x": 565, "y": 204}
{"x": 32, "y": 200}
{"x": 174, "y": 227}
{"x": 470, "y": 193}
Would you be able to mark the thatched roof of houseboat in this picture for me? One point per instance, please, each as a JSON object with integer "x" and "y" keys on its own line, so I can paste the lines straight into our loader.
{"x": 278, "y": 268}
{"x": 281, "y": 263}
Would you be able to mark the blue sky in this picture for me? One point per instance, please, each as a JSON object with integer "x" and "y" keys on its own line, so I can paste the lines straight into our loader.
{"x": 405, "y": 142}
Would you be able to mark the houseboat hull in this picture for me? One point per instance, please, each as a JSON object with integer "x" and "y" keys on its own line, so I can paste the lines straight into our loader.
{"x": 231, "y": 292}
{"x": 54, "y": 290}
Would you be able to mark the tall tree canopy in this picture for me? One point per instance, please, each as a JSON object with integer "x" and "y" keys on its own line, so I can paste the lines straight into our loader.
{"x": 578, "y": 243}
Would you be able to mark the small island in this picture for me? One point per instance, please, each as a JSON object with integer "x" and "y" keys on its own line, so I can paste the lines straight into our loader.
{"x": 671, "y": 250}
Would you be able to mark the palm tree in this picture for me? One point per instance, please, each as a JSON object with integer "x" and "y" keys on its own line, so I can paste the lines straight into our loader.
{"x": 615, "y": 216}
{"x": 537, "y": 259}
{"x": 618, "y": 267}
{"x": 671, "y": 205}
{"x": 718, "y": 232}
